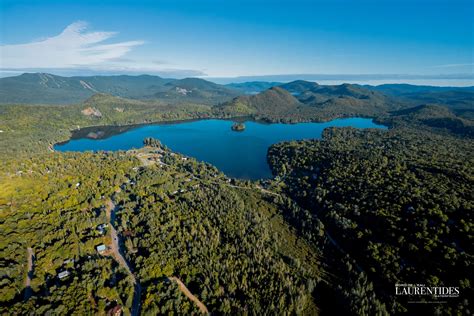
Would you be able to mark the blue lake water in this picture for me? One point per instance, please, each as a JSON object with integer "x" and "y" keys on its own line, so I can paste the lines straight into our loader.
{"x": 237, "y": 154}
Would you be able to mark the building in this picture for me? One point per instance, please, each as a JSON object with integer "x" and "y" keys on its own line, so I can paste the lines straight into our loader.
{"x": 101, "y": 248}
{"x": 101, "y": 228}
{"x": 63, "y": 274}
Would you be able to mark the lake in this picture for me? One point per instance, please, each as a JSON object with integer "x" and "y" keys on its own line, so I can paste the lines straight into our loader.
{"x": 237, "y": 154}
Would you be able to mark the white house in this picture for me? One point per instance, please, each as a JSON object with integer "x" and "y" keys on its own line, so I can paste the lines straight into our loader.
{"x": 63, "y": 274}
{"x": 101, "y": 248}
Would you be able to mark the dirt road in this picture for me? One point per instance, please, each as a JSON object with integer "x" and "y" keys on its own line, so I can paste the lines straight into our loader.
{"x": 29, "y": 274}
{"x": 190, "y": 295}
{"x": 117, "y": 254}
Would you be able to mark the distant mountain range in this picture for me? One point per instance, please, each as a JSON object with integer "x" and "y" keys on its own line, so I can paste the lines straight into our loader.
{"x": 299, "y": 97}
{"x": 253, "y": 87}
{"x": 195, "y": 90}
{"x": 399, "y": 89}
{"x": 51, "y": 89}
{"x": 454, "y": 97}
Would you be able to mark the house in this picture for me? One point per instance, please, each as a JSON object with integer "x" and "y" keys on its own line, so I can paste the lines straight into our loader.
{"x": 101, "y": 248}
{"x": 101, "y": 228}
{"x": 63, "y": 274}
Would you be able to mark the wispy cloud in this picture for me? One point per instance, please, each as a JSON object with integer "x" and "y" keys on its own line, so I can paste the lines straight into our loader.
{"x": 76, "y": 50}
{"x": 453, "y": 65}
{"x": 73, "y": 47}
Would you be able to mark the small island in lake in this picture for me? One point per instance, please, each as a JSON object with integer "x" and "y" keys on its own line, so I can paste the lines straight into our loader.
{"x": 238, "y": 127}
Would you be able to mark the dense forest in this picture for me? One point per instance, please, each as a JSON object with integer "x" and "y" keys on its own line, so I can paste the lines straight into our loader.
{"x": 343, "y": 220}
{"x": 397, "y": 203}
{"x": 178, "y": 218}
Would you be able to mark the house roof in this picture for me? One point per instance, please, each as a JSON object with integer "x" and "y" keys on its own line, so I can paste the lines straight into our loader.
{"x": 63, "y": 274}
{"x": 101, "y": 248}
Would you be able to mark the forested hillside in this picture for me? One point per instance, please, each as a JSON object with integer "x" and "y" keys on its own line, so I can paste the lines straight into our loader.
{"x": 43, "y": 88}
{"x": 176, "y": 219}
{"x": 397, "y": 203}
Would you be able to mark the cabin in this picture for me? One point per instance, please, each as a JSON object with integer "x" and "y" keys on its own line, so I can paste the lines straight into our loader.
{"x": 101, "y": 228}
{"x": 101, "y": 248}
{"x": 63, "y": 274}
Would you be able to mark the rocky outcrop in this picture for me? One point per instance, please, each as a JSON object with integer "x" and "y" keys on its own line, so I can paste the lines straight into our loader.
{"x": 93, "y": 112}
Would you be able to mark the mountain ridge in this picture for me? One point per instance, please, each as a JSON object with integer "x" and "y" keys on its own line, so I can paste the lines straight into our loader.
{"x": 38, "y": 88}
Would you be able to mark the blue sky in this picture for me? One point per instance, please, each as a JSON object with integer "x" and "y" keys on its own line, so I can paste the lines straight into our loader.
{"x": 238, "y": 38}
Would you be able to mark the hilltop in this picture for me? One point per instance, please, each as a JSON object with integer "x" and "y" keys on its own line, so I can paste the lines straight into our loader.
{"x": 271, "y": 102}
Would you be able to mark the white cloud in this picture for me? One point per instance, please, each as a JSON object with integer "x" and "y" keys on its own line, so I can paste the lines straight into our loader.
{"x": 453, "y": 65}
{"x": 76, "y": 51}
{"x": 74, "y": 47}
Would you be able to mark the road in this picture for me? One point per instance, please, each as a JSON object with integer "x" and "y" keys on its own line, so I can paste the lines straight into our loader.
{"x": 29, "y": 274}
{"x": 190, "y": 295}
{"x": 117, "y": 254}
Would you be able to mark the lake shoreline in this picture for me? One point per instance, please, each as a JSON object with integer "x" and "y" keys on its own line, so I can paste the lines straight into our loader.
{"x": 239, "y": 155}
{"x": 118, "y": 129}
{"x": 84, "y": 131}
